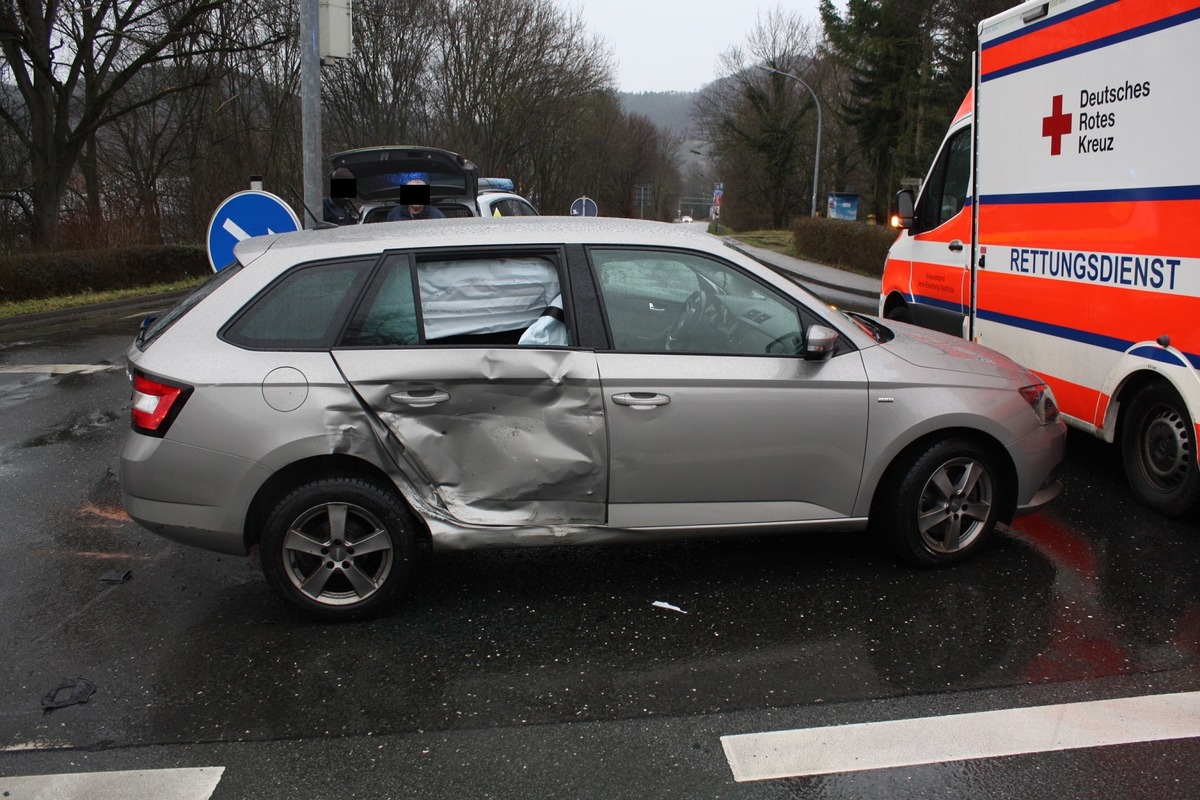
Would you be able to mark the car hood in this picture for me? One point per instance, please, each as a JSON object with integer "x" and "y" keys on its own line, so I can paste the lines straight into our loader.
{"x": 379, "y": 172}
{"x": 933, "y": 350}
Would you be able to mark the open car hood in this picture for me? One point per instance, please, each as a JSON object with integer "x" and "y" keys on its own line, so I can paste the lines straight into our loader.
{"x": 379, "y": 172}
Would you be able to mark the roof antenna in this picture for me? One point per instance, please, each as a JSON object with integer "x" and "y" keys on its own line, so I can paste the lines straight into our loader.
{"x": 320, "y": 225}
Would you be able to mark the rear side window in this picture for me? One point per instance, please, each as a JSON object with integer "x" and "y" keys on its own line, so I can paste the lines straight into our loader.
{"x": 466, "y": 301}
{"x": 304, "y": 310}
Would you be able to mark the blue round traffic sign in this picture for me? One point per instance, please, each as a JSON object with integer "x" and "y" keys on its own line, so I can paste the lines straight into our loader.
{"x": 584, "y": 207}
{"x": 242, "y": 216}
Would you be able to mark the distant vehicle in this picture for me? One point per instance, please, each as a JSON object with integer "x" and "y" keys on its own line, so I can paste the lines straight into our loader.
{"x": 1058, "y": 225}
{"x": 338, "y": 399}
{"x": 685, "y": 218}
{"x": 497, "y": 199}
{"x": 455, "y": 187}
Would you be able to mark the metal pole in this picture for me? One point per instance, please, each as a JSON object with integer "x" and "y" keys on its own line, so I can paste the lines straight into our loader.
{"x": 310, "y": 104}
{"x": 817, "y": 155}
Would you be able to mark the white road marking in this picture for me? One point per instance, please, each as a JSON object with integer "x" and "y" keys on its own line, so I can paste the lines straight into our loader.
{"x": 57, "y": 369}
{"x": 196, "y": 783}
{"x": 960, "y": 737}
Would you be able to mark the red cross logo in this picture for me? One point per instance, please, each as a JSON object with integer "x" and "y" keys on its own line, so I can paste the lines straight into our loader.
{"x": 1056, "y": 125}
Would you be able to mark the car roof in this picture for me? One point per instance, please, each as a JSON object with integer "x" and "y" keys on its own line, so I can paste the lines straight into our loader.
{"x": 505, "y": 231}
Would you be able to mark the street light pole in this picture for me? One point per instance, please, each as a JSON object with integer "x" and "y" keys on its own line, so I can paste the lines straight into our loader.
{"x": 817, "y": 156}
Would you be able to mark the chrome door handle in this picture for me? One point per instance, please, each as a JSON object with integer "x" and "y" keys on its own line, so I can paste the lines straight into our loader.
{"x": 419, "y": 398}
{"x": 640, "y": 399}
{"x": 656, "y": 308}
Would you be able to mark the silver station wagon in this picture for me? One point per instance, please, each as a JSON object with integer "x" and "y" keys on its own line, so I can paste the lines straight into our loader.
{"x": 341, "y": 399}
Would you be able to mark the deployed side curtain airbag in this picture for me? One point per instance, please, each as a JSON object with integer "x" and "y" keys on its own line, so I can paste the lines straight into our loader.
{"x": 484, "y": 295}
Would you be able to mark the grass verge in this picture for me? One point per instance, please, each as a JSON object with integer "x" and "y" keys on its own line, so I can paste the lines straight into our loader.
{"x": 91, "y": 298}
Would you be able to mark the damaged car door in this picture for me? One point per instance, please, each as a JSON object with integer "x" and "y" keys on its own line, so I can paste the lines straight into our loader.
{"x": 487, "y": 430}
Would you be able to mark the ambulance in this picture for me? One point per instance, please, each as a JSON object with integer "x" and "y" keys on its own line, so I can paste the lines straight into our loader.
{"x": 1060, "y": 224}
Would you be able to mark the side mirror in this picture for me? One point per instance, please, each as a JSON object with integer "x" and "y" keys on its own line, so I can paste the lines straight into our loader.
{"x": 903, "y": 218}
{"x": 819, "y": 343}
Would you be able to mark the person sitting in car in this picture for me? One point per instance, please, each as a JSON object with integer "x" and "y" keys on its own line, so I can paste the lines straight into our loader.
{"x": 414, "y": 190}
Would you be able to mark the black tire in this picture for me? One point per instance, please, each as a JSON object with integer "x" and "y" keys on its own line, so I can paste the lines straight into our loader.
{"x": 1158, "y": 447}
{"x": 900, "y": 313}
{"x": 939, "y": 505}
{"x": 339, "y": 548}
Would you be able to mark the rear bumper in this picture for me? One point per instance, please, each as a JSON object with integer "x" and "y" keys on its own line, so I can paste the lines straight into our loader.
{"x": 189, "y": 494}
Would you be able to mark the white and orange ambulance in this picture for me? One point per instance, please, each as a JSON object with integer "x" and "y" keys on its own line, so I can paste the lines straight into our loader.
{"x": 1060, "y": 224}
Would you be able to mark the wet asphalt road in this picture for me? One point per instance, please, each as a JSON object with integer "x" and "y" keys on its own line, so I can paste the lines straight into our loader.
{"x": 549, "y": 673}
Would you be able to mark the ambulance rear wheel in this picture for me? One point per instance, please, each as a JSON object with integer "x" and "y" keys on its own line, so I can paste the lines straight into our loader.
{"x": 1158, "y": 445}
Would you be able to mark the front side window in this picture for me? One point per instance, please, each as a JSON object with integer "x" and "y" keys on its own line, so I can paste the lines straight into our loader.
{"x": 662, "y": 301}
{"x": 945, "y": 191}
{"x": 302, "y": 311}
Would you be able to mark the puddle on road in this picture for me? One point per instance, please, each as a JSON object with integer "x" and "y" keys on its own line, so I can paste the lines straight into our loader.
{"x": 78, "y": 428}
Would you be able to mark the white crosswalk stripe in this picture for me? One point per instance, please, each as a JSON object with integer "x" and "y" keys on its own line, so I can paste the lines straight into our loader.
{"x": 193, "y": 783}
{"x": 960, "y": 737}
{"x": 56, "y": 369}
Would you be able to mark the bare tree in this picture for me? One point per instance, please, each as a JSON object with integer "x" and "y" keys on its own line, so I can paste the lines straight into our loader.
{"x": 69, "y": 60}
{"x": 762, "y": 126}
{"x": 383, "y": 95}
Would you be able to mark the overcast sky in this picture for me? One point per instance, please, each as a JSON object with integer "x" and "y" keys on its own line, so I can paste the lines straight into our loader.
{"x": 664, "y": 46}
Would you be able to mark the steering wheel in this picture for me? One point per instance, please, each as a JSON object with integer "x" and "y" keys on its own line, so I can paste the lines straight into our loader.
{"x": 688, "y": 318}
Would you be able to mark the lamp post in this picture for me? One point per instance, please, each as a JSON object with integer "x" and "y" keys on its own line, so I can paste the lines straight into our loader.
{"x": 817, "y": 156}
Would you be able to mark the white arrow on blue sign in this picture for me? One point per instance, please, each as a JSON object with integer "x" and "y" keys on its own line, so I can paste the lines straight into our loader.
{"x": 243, "y": 215}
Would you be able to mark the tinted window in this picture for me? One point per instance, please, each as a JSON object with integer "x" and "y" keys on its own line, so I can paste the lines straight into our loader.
{"x": 945, "y": 192}
{"x": 511, "y": 207}
{"x": 303, "y": 310}
{"x": 389, "y": 317}
{"x": 676, "y": 302}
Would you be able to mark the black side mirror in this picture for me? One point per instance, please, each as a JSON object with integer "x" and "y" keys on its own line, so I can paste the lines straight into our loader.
{"x": 903, "y": 218}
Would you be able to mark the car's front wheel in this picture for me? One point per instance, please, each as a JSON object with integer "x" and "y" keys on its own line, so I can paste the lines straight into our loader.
{"x": 939, "y": 505}
{"x": 339, "y": 548}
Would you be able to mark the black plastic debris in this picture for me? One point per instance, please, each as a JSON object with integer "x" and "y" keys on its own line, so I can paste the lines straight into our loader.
{"x": 68, "y": 692}
{"x": 117, "y": 576}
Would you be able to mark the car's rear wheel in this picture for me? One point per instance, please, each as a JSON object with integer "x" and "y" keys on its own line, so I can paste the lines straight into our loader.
{"x": 940, "y": 504}
{"x": 1158, "y": 446}
{"x": 900, "y": 313}
{"x": 339, "y": 548}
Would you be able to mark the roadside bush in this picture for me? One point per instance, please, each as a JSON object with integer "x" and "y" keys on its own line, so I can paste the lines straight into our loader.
{"x": 39, "y": 275}
{"x": 855, "y": 246}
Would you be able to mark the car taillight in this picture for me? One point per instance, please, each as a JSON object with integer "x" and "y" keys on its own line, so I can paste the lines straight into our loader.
{"x": 1041, "y": 398}
{"x": 156, "y": 404}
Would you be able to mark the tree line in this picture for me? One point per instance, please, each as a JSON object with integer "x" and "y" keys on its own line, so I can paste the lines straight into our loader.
{"x": 130, "y": 120}
{"x": 889, "y": 75}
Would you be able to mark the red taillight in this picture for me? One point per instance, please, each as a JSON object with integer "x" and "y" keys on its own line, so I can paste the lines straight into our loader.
{"x": 155, "y": 404}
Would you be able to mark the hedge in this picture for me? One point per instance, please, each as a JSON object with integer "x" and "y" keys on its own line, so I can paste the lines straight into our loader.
{"x": 35, "y": 276}
{"x": 856, "y": 246}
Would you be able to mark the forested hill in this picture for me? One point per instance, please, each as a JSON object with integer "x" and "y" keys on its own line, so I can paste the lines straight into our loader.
{"x": 667, "y": 110}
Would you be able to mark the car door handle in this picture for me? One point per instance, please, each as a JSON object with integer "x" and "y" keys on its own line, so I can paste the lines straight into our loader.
{"x": 956, "y": 245}
{"x": 640, "y": 399}
{"x": 420, "y": 398}
{"x": 657, "y": 308}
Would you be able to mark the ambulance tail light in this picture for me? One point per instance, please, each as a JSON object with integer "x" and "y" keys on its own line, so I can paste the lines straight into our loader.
{"x": 156, "y": 404}
{"x": 1041, "y": 399}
